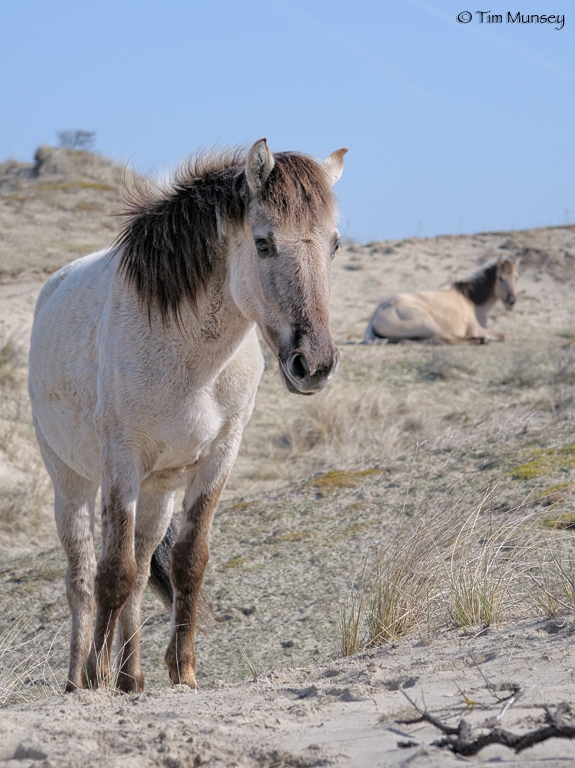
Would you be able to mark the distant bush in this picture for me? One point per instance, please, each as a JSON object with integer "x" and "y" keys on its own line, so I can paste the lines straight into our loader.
{"x": 77, "y": 139}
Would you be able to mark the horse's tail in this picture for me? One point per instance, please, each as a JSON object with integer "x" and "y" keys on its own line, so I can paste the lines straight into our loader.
{"x": 161, "y": 565}
{"x": 161, "y": 583}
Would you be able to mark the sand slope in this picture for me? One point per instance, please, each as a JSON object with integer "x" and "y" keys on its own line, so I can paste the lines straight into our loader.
{"x": 341, "y": 714}
{"x": 318, "y": 487}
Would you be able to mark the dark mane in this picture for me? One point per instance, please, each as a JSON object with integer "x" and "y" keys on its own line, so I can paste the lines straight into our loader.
{"x": 175, "y": 233}
{"x": 479, "y": 287}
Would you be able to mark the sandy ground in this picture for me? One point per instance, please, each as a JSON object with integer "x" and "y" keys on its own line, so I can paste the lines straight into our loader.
{"x": 287, "y": 541}
{"x": 345, "y": 713}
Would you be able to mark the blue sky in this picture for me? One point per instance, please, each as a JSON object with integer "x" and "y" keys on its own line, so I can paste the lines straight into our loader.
{"x": 451, "y": 127}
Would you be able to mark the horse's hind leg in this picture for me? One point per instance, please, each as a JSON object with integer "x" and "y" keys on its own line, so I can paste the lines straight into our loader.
{"x": 74, "y": 498}
{"x": 117, "y": 570}
{"x": 153, "y": 515}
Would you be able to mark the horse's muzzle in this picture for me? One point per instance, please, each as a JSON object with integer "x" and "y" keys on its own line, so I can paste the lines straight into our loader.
{"x": 299, "y": 378}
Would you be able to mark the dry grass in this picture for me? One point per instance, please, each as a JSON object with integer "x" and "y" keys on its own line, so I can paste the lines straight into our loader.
{"x": 26, "y": 671}
{"x": 485, "y": 566}
{"x": 443, "y": 363}
{"x": 11, "y": 362}
{"x": 563, "y": 365}
{"x": 26, "y": 490}
{"x": 452, "y": 563}
{"x": 29, "y": 664}
{"x": 342, "y": 427}
{"x": 552, "y": 579}
{"x": 24, "y": 508}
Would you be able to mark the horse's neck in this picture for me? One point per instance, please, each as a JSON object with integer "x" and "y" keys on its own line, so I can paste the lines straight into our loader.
{"x": 482, "y": 310}
{"x": 211, "y": 335}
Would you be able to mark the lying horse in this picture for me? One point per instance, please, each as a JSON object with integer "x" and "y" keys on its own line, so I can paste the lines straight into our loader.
{"x": 449, "y": 315}
{"x": 144, "y": 365}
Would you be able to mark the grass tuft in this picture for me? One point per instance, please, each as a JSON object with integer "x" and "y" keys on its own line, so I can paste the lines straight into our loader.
{"x": 11, "y": 361}
{"x": 26, "y": 673}
{"x": 450, "y": 563}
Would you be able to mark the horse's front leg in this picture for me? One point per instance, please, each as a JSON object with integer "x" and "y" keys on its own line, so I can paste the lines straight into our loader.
{"x": 190, "y": 556}
{"x": 191, "y": 552}
{"x": 153, "y": 516}
{"x": 117, "y": 570}
{"x": 487, "y": 336}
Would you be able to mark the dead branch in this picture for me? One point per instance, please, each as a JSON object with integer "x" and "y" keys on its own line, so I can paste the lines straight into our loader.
{"x": 459, "y": 740}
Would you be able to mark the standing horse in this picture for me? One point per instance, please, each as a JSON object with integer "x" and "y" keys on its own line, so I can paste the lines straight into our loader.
{"x": 144, "y": 365}
{"x": 450, "y": 315}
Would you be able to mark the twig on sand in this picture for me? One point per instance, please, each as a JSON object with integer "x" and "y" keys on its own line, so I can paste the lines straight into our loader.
{"x": 459, "y": 739}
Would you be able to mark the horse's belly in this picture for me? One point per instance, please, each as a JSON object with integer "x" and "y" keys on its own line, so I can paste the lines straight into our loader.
{"x": 167, "y": 479}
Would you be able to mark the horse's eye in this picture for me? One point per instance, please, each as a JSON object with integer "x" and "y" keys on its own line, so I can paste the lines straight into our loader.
{"x": 336, "y": 247}
{"x": 263, "y": 248}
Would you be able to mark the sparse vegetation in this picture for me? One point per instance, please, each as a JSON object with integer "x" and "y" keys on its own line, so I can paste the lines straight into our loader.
{"x": 552, "y": 587}
{"x": 321, "y": 483}
{"x": 442, "y": 363}
{"x": 448, "y": 563}
{"x": 26, "y": 665}
{"x": 77, "y": 139}
{"x": 485, "y": 568}
{"x": 11, "y": 362}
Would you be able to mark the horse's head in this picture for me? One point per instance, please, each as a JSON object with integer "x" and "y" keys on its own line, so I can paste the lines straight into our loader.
{"x": 280, "y": 275}
{"x": 505, "y": 283}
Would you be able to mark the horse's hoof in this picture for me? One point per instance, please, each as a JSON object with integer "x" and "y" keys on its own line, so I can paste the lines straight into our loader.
{"x": 190, "y": 681}
{"x": 184, "y": 676}
{"x": 130, "y": 683}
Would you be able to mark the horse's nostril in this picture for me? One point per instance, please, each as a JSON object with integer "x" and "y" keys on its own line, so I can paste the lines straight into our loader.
{"x": 298, "y": 367}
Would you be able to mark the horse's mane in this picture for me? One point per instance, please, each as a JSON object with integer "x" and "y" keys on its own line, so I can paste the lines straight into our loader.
{"x": 478, "y": 288}
{"x": 175, "y": 232}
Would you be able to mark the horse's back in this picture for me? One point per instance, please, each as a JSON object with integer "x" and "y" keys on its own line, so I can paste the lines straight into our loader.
{"x": 83, "y": 270}
{"x": 419, "y": 315}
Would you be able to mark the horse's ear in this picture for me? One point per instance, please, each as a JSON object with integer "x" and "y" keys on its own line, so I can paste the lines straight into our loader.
{"x": 334, "y": 165}
{"x": 259, "y": 164}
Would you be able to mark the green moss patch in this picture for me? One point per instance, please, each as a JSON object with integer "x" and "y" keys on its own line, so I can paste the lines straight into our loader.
{"x": 564, "y": 522}
{"x": 234, "y": 562}
{"x": 76, "y": 185}
{"x": 291, "y": 536}
{"x": 240, "y": 506}
{"x": 546, "y": 462}
{"x": 341, "y": 478}
{"x": 360, "y": 527}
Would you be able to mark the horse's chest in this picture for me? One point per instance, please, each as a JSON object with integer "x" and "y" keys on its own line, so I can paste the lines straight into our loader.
{"x": 187, "y": 434}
